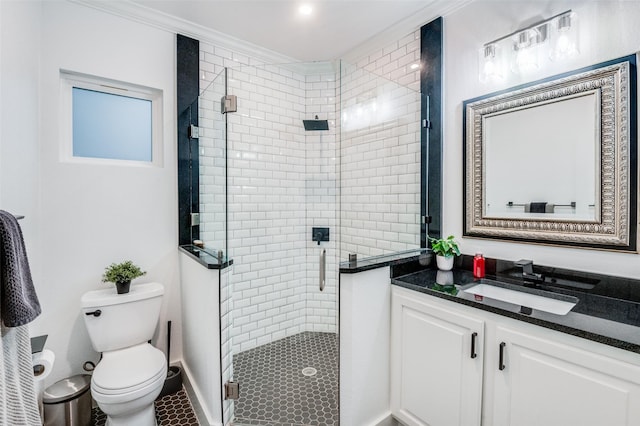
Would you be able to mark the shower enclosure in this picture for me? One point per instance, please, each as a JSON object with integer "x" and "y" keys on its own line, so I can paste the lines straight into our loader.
{"x": 286, "y": 204}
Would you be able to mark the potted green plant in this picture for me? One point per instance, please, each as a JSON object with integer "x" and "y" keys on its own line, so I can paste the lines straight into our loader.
{"x": 445, "y": 249}
{"x": 121, "y": 275}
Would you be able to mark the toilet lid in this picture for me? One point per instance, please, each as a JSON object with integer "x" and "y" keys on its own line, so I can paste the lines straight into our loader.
{"x": 125, "y": 370}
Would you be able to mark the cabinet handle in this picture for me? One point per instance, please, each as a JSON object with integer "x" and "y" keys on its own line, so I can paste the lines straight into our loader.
{"x": 501, "y": 365}
{"x": 473, "y": 345}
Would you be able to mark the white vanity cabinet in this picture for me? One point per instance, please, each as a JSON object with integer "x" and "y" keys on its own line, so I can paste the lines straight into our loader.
{"x": 436, "y": 362}
{"x": 545, "y": 382}
{"x": 522, "y": 375}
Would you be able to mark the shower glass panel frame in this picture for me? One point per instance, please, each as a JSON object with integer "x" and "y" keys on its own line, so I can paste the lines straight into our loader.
{"x": 265, "y": 183}
{"x": 212, "y": 153}
{"x": 282, "y": 183}
{"x": 213, "y": 208}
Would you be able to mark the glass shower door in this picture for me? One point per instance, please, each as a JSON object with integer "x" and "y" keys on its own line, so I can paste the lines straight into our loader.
{"x": 212, "y": 157}
{"x": 283, "y": 184}
{"x": 213, "y": 166}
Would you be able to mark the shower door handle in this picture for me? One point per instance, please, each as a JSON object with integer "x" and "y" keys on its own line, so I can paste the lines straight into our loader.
{"x": 323, "y": 268}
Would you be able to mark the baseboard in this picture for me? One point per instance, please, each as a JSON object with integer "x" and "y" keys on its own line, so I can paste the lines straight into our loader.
{"x": 194, "y": 396}
{"x": 388, "y": 420}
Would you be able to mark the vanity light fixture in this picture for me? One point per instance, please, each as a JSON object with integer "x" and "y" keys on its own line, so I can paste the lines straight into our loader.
{"x": 526, "y": 50}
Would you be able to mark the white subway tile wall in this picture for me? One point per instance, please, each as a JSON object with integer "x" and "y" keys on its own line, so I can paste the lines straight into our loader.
{"x": 266, "y": 204}
{"x": 363, "y": 182}
{"x": 322, "y": 200}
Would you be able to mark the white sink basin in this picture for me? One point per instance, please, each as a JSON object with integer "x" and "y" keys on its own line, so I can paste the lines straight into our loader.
{"x": 554, "y": 303}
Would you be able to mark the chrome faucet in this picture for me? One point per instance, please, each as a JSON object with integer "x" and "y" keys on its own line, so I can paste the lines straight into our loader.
{"x": 527, "y": 271}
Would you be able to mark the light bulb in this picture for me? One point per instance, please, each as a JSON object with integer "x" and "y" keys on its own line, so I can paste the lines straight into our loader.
{"x": 526, "y": 61}
{"x": 489, "y": 67}
{"x": 565, "y": 42}
{"x": 490, "y": 63}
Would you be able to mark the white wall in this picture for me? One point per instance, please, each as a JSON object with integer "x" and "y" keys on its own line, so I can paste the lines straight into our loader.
{"x": 201, "y": 307}
{"x": 20, "y": 36}
{"x": 608, "y": 30}
{"x": 80, "y": 217}
{"x": 365, "y": 339}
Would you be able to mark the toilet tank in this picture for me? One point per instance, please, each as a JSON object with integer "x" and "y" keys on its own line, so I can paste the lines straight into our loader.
{"x": 124, "y": 319}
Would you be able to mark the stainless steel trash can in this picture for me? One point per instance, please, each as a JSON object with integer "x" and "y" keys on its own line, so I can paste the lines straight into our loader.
{"x": 68, "y": 402}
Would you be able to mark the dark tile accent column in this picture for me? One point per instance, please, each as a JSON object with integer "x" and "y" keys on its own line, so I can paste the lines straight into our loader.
{"x": 431, "y": 136}
{"x": 187, "y": 84}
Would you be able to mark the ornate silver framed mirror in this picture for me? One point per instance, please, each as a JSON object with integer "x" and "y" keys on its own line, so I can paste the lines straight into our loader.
{"x": 555, "y": 161}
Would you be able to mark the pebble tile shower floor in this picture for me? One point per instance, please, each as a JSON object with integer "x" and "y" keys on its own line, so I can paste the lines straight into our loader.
{"x": 171, "y": 410}
{"x": 275, "y": 392}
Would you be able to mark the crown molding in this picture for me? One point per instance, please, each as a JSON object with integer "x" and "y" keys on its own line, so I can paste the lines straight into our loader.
{"x": 431, "y": 11}
{"x": 163, "y": 21}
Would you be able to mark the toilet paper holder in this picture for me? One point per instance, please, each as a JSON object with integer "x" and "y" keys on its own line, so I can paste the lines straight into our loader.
{"x": 37, "y": 346}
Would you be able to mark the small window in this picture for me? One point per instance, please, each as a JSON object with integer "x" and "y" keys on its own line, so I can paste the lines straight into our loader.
{"x": 111, "y": 121}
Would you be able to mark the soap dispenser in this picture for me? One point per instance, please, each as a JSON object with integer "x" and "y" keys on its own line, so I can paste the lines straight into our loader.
{"x": 478, "y": 265}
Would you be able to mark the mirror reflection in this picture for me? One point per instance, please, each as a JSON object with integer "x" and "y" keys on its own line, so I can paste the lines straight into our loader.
{"x": 540, "y": 160}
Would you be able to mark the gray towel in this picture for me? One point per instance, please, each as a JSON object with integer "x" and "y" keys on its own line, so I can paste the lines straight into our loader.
{"x": 19, "y": 302}
{"x": 538, "y": 207}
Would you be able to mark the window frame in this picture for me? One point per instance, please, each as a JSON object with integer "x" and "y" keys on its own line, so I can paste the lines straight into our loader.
{"x": 70, "y": 80}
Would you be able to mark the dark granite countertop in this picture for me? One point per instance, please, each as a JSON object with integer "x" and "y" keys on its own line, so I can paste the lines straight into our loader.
{"x": 608, "y": 308}
{"x": 207, "y": 258}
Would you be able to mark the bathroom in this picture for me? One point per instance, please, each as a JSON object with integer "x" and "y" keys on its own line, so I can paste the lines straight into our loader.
{"x": 80, "y": 217}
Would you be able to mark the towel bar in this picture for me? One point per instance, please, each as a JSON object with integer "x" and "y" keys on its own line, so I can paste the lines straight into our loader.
{"x": 572, "y": 204}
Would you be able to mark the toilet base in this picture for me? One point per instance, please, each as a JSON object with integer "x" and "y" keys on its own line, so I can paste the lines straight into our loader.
{"x": 145, "y": 417}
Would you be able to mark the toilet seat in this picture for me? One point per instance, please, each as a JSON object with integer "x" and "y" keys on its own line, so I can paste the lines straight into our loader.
{"x": 126, "y": 371}
{"x": 152, "y": 389}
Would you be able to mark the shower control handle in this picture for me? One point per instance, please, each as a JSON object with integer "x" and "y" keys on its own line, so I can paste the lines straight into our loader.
{"x": 323, "y": 268}
{"x": 95, "y": 313}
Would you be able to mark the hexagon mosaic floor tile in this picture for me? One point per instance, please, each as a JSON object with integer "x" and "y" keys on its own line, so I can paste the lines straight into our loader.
{"x": 290, "y": 382}
{"x": 171, "y": 410}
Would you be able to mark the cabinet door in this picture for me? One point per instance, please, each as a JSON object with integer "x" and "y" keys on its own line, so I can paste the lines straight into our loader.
{"x": 544, "y": 383}
{"x": 435, "y": 379}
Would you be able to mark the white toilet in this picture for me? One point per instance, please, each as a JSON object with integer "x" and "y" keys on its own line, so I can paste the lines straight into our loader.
{"x": 131, "y": 373}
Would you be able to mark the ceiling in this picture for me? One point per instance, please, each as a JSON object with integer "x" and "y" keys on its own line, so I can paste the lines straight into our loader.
{"x": 334, "y": 27}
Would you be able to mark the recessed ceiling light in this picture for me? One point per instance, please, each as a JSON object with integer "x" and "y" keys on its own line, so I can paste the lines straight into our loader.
{"x": 305, "y": 9}
{"x": 415, "y": 66}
